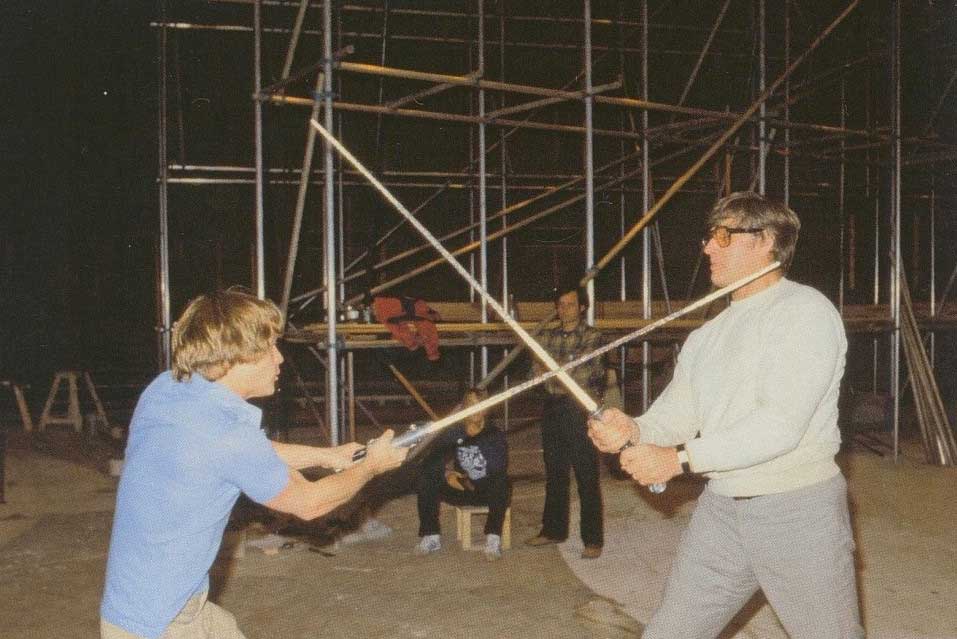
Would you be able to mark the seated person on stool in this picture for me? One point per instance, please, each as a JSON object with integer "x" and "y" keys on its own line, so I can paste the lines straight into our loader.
{"x": 478, "y": 477}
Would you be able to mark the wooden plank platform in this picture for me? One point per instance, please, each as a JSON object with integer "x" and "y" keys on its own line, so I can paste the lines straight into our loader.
{"x": 461, "y": 324}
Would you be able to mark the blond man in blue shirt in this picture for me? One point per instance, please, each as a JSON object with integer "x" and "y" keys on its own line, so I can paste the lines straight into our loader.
{"x": 195, "y": 444}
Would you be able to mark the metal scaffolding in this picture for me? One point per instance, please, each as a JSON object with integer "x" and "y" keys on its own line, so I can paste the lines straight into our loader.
{"x": 539, "y": 142}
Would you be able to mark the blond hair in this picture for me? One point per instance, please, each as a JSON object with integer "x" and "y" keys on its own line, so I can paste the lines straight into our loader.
{"x": 220, "y": 330}
{"x": 752, "y": 210}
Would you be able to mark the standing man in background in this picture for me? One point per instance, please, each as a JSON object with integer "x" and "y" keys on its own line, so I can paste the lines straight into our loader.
{"x": 565, "y": 443}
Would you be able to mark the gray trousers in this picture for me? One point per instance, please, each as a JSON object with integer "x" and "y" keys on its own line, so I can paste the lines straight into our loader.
{"x": 796, "y": 546}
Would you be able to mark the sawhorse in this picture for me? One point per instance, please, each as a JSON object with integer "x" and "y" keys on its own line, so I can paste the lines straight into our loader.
{"x": 72, "y": 417}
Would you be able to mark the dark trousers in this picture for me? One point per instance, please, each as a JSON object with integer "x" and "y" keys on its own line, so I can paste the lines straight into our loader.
{"x": 492, "y": 491}
{"x": 565, "y": 445}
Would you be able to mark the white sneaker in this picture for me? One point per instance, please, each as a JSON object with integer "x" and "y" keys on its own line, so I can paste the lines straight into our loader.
{"x": 493, "y": 547}
{"x": 428, "y": 545}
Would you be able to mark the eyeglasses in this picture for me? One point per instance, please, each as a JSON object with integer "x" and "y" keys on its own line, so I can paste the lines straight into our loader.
{"x": 722, "y": 234}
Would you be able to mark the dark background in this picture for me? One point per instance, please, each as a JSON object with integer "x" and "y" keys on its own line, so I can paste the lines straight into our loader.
{"x": 77, "y": 214}
{"x": 79, "y": 164}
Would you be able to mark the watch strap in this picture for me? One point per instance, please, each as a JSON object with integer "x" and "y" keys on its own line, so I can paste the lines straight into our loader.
{"x": 683, "y": 458}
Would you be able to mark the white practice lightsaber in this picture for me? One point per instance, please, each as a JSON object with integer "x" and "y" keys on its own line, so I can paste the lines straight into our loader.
{"x": 416, "y": 434}
{"x": 579, "y": 393}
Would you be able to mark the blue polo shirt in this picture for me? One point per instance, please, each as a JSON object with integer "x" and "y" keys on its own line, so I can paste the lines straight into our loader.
{"x": 193, "y": 447}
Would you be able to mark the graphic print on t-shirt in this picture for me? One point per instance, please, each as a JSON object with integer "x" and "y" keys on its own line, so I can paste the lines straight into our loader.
{"x": 472, "y": 461}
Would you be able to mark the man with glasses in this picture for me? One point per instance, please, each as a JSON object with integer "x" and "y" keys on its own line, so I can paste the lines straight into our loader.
{"x": 752, "y": 406}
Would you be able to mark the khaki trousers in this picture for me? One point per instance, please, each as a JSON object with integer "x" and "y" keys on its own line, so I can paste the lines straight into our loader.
{"x": 199, "y": 619}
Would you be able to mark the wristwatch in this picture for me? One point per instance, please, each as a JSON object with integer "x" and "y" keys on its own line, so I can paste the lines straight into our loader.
{"x": 683, "y": 458}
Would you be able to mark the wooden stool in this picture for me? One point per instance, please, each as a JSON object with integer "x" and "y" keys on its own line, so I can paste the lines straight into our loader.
{"x": 72, "y": 416}
{"x": 463, "y": 525}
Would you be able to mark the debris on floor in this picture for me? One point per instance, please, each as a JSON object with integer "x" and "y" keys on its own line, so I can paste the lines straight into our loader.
{"x": 271, "y": 544}
{"x": 371, "y": 530}
{"x": 607, "y": 613}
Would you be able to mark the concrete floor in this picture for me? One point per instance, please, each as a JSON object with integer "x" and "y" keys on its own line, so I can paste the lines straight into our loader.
{"x": 55, "y": 525}
{"x": 904, "y": 517}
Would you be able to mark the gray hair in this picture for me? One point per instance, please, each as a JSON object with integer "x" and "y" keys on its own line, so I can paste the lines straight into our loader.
{"x": 752, "y": 210}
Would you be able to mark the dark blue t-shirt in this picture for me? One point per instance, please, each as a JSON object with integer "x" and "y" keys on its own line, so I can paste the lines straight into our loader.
{"x": 479, "y": 457}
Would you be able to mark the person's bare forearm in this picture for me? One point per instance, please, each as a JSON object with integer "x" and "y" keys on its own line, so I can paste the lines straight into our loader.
{"x": 310, "y": 499}
{"x": 333, "y": 491}
{"x": 299, "y": 456}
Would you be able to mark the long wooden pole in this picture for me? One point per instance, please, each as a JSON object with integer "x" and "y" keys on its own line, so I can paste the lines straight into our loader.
{"x": 524, "y": 89}
{"x": 446, "y": 117}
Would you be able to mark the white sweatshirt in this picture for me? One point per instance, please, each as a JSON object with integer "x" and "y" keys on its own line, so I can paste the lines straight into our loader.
{"x": 760, "y": 382}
